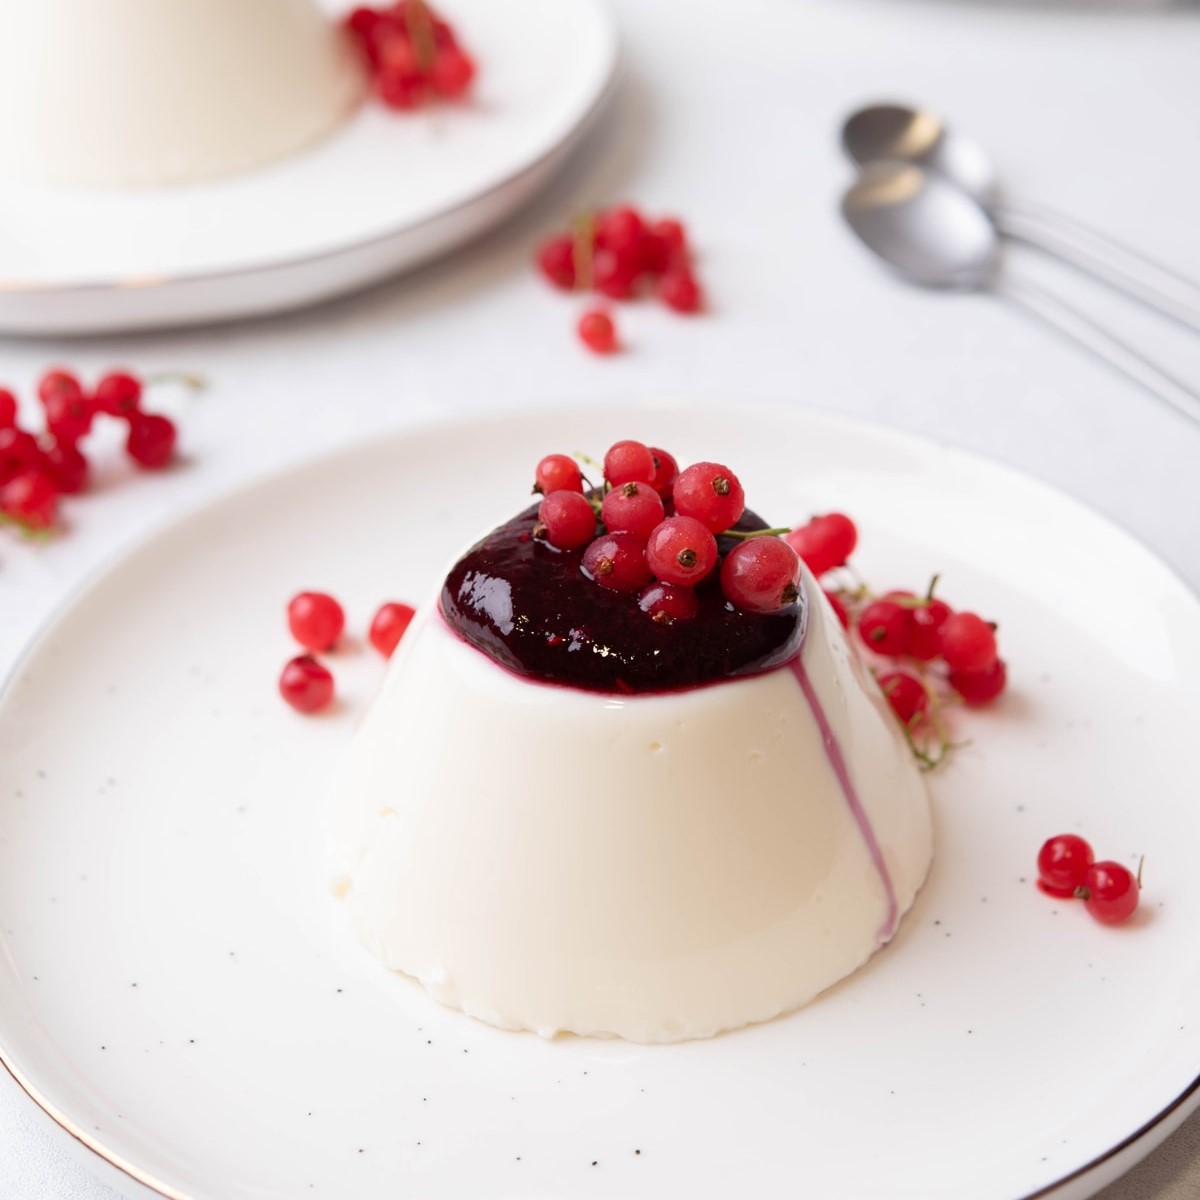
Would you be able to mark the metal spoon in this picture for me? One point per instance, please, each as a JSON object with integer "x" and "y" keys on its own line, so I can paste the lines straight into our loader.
{"x": 897, "y": 133}
{"x": 934, "y": 233}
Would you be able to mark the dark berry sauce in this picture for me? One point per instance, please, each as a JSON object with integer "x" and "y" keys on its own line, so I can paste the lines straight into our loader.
{"x": 528, "y": 607}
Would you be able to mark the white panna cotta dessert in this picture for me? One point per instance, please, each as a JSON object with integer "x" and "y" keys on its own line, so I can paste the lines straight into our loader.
{"x": 139, "y": 93}
{"x": 562, "y": 815}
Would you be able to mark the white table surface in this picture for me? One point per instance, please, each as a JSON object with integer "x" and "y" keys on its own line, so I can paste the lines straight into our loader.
{"x": 728, "y": 114}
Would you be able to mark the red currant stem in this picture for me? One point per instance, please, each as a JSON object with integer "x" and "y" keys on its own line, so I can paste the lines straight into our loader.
{"x": 588, "y": 461}
{"x": 932, "y": 584}
{"x": 584, "y": 245}
{"x": 596, "y": 504}
{"x": 32, "y": 533}
{"x": 1141, "y": 864}
{"x": 745, "y": 535}
{"x": 187, "y": 379}
{"x": 420, "y": 32}
{"x": 1083, "y": 892}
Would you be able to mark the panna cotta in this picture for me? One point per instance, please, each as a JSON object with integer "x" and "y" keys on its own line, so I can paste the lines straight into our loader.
{"x": 136, "y": 93}
{"x": 561, "y": 815}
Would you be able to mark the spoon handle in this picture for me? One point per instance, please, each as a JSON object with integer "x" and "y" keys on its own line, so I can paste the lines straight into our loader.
{"x": 1070, "y": 322}
{"x": 1105, "y": 258}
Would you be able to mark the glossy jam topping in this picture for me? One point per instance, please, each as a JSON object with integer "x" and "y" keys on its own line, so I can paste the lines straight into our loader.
{"x": 529, "y": 608}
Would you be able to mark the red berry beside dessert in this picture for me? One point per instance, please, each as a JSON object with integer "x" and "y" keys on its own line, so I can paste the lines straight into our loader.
{"x": 633, "y": 699}
{"x": 37, "y": 470}
{"x": 1067, "y": 868}
{"x": 412, "y": 54}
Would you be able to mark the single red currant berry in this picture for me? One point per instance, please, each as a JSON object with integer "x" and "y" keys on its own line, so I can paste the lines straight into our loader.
{"x": 18, "y": 452}
{"x": 306, "y": 685}
{"x": 681, "y": 550}
{"x": 151, "y": 440}
{"x": 597, "y": 331}
{"x": 557, "y": 473}
{"x": 118, "y": 394}
{"x": 620, "y": 230}
{"x": 567, "y": 519}
{"x": 617, "y": 561}
{"x": 980, "y": 687}
{"x": 906, "y": 694}
{"x": 838, "y": 606}
{"x": 401, "y": 83}
{"x": 825, "y": 542}
{"x": 1109, "y": 892}
{"x": 968, "y": 642}
{"x": 58, "y": 382}
{"x": 8, "y": 409}
{"x": 316, "y": 620}
{"x": 925, "y": 634}
{"x": 453, "y": 71}
{"x": 556, "y": 261}
{"x": 633, "y": 508}
{"x": 388, "y": 626}
{"x": 629, "y": 462}
{"x": 666, "y": 603}
{"x": 68, "y": 417}
{"x": 31, "y": 499}
{"x": 678, "y": 289}
{"x": 67, "y": 467}
{"x": 614, "y": 276}
{"x": 884, "y": 627}
{"x": 761, "y": 575}
{"x": 711, "y": 493}
{"x": 666, "y": 471}
{"x": 1062, "y": 864}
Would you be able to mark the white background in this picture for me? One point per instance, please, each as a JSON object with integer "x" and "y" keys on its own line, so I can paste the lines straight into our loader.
{"x": 727, "y": 115}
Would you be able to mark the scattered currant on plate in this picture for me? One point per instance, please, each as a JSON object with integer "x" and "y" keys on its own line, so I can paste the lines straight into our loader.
{"x": 1067, "y": 869}
{"x": 36, "y": 470}
{"x": 621, "y": 254}
{"x": 412, "y": 55}
{"x": 316, "y": 620}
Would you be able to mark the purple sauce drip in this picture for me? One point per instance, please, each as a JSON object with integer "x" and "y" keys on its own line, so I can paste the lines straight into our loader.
{"x": 833, "y": 752}
{"x": 529, "y": 608}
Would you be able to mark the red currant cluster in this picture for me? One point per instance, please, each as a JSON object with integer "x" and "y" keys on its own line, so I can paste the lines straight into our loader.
{"x": 36, "y": 471}
{"x": 1067, "y": 868}
{"x": 412, "y": 54}
{"x": 946, "y": 654}
{"x": 620, "y": 254}
{"x": 316, "y": 620}
{"x": 651, "y": 530}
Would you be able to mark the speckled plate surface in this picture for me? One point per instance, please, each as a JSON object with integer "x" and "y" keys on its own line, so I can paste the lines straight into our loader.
{"x": 178, "y": 988}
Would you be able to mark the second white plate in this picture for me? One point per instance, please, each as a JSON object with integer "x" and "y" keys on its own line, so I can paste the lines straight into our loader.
{"x": 178, "y": 987}
{"x": 382, "y": 194}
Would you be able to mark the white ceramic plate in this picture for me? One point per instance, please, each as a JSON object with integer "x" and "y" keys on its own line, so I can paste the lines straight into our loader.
{"x": 382, "y": 194}
{"x": 178, "y": 989}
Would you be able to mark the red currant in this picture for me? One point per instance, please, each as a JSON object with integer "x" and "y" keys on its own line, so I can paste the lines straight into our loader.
{"x": 679, "y": 289}
{"x": 666, "y": 603}
{"x": 568, "y": 518}
{"x": 761, "y": 575}
{"x": 884, "y": 627}
{"x": 597, "y": 331}
{"x": 633, "y": 508}
{"x": 151, "y": 440}
{"x": 968, "y": 642}
{"x": 924, "y": 635}
{"x": 711, "y": 493}
{"x": 629, "y": 462}
{"x": 316, "y": 620}
{"x": 672, "y": 238}
{"x": 68, "y": 417}
{"x": 119, "y": 394}
{"x": 980, "y": 687}
{"x": 838, "y": 606}
{"x": 666, "y": 471}
{"x": 66, "y": 465}
{"x": 617, "y": 561}
{"x": 388, "y": 626}
{"x": 8, "y": 409}
{"x": 620, "y": 230}
{"x": 31, "y": 499}
{"x": 557, "y": 473}
{"x": 681, "y": 550}
{"x": 556, "y": 261}
{"x": 1062, "y": 864}
{"x": 614, "y": 276}
{"x": 453, "y": 71}
{"x": 906, "y": 694}
{"x": 18, "y": 452}
{"x": 1109, "y": 892}
{"x": 825, "y": 542}
{"x": 58, "y": 382}
{"x": 305, "y": 684}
